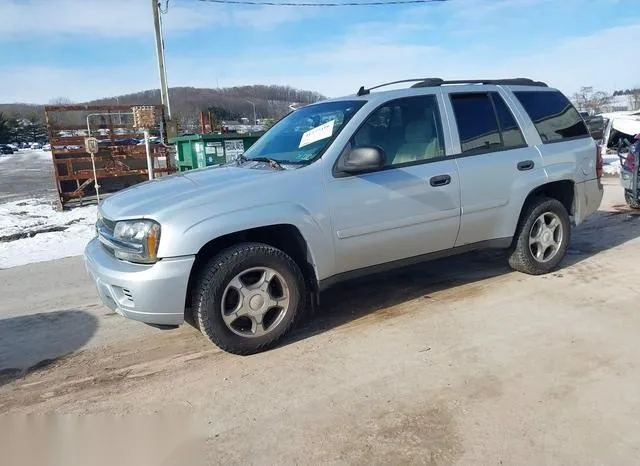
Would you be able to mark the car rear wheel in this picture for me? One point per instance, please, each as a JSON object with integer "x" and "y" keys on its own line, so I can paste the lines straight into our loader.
{"x": 542, "y": 237}
{"x": 248, "y": 297}
{"x": 631, "y": 200}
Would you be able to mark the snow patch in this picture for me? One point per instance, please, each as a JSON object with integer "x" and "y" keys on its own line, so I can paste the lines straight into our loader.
{"x": 611, "y": 164}
{"x": 612, "y": 168}
{"x": 27, "y": 219}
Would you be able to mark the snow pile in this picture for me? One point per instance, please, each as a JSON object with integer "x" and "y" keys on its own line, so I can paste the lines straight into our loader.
{"x": 611, "y": 164}
{"x": 33, "y": 231}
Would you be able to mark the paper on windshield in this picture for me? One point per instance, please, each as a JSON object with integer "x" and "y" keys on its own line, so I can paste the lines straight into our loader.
{"x": 316, "y": 134}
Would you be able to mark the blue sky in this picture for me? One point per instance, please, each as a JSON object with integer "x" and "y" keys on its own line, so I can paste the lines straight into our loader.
{"x": 85, "y": 49}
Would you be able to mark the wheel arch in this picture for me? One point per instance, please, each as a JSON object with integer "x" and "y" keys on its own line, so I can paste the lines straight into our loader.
{"x": 284, "y": 236}
{"x": 561, "y": 190}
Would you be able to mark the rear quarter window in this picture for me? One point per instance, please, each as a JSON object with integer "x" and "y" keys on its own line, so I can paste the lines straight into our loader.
{"x": 555, "y": 118}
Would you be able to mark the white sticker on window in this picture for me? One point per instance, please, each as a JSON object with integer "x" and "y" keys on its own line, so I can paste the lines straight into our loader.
{"x": 316, "y": 134}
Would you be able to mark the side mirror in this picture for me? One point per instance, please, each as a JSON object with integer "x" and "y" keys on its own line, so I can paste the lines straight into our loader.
{"x": 362, "y": 159}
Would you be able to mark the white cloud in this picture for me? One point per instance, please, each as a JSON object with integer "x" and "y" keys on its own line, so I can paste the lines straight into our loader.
{"x": 340, "y": 67}
{"x": 370, "y": 53}
{"x": 128, "y": 18}
{"x": 115, "y": 18}
{"x": 40, "y": 84}
{"x": 267, "y": 18}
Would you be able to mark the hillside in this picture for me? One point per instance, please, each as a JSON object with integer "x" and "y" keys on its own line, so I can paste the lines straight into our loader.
{"x": 188, "y": 102}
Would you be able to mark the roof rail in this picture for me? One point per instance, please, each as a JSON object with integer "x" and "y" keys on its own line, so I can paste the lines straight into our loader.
{"x": 363, "y": 91}
{"x": 506, "y": 82}
{"x": 434, "y": 82}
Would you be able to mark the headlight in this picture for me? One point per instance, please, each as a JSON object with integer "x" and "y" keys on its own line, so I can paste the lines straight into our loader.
{"x": 137, "y": 240}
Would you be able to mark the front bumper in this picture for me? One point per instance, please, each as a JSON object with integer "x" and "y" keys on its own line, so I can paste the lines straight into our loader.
{"x": 154, "y": 294}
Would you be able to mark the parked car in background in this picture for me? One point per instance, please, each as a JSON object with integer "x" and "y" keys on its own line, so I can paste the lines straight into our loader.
{"x": 367, "y": 183}
{"x": 46, "y": 147}
{"x": 595, "y": 124}
{"x": 152, "y": 140}
{"x": 35, "y": 146}
{"x": 620, "y": 129}
{"x": 126, "y": 142}
{"x": 629, "y": 154}
{"x": 6, "y": 149}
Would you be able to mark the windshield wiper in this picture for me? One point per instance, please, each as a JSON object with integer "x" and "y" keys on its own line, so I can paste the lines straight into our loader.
{"x": 273, "y": 163}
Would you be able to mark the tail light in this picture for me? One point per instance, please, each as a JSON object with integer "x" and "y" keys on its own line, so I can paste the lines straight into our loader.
{"x": 599, "y": 161}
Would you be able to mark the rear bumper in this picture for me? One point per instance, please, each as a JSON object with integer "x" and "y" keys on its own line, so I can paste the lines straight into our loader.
{"x": 588, "y": 196}
{"x": 154, "y": 294}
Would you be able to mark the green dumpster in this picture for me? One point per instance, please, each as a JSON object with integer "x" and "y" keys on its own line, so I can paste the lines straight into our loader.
{"x": 204, "y": 150}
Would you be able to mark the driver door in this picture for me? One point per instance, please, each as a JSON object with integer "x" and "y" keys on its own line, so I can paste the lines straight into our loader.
{"x": 408, "y": 208}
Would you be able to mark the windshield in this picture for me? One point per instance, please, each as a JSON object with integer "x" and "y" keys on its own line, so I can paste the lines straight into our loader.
{"x": 302, "y": 136}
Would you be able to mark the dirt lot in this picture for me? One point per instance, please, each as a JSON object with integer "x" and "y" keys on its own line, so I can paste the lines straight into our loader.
{"x": 460, "y": 361}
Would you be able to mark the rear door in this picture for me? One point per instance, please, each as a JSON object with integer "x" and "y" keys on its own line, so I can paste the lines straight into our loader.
{"x": 495, "y": 165}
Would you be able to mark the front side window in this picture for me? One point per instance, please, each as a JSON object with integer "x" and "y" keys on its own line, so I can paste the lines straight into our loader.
{"x": 553, "y": 115}
{"x": 409, "y": 130}
{"x": 302, "y": 136}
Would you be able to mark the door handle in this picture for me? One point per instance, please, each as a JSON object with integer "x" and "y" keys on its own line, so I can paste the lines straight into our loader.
{"x": 440, "y": 180}
{"x": 525, "y": 165}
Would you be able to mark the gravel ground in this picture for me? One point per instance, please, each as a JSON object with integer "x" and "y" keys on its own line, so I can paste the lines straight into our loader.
{"x": 459, "y": 361}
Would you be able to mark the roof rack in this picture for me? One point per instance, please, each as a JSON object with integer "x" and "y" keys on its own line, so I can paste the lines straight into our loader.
{"x": 434, "y": 82}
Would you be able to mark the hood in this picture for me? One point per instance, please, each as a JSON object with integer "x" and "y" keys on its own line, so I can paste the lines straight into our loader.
{"x": 197, "y": 187}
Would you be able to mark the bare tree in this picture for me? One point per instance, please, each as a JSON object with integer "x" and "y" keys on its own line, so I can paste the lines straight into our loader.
{"x": 60, "y": 101}
{"x": 586, "y": 99}
{"x": 60, "y": 118}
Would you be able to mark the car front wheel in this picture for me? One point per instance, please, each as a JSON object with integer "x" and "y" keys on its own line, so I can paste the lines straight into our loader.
{"x": 542, "y": 237}
{"x": 248, "y": 297}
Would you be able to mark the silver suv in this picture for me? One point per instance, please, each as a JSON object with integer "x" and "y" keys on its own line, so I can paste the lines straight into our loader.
{"x": 343, "y": 188}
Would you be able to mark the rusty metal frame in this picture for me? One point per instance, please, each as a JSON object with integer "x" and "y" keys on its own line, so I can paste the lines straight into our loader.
{"x": 117, "y": 166}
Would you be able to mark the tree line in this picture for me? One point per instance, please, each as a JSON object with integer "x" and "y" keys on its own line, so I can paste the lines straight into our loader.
{"x": 233, "y": 103}
{"x": 627, "y": 92}
{"x": 14, "y": 129}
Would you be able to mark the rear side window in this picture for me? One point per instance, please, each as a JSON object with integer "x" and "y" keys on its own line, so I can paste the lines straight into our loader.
{"x": 553, "y": 115}
{"x": 485, "y": 123}
{"x": 511, "y": 135}
{"x": 477, "y": 124}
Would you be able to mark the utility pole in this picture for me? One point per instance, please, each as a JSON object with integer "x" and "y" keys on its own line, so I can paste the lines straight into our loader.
{"x": 254, "y": 112}
{"x": 157, "y": 25}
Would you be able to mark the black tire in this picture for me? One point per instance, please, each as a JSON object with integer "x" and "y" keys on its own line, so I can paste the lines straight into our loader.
{"x": 632, "y": 201}
{"x": 217, "y": 274}
{"x": 520, "y": 256}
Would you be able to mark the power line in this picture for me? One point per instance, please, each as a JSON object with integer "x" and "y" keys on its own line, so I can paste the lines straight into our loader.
{"x": 324, "y": 4}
